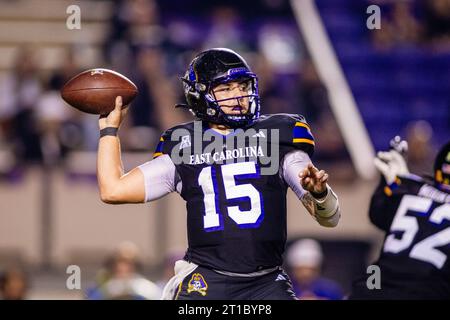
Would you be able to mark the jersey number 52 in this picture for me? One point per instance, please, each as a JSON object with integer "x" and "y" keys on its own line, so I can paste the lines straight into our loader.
{"x": 426, "y": 249}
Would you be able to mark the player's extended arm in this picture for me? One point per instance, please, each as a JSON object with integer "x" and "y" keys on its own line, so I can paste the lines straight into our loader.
{"x": 310, "y": 186}
{"x": 115, "y": 186}
{"x": 147, "y": 182}
{"x": 392, "y": 165}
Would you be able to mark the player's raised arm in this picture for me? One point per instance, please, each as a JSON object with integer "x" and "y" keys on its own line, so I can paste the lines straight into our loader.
{"x": 147, "y": 182}
{"x": 116, "y": 186}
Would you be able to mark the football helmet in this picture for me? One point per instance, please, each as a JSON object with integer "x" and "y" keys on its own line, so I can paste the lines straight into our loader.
{"x": 209, "y": 69}
{"x": 442, "y": 168}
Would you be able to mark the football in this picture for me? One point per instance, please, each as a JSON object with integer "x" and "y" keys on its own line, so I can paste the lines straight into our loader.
{"x": 95, "y": 90}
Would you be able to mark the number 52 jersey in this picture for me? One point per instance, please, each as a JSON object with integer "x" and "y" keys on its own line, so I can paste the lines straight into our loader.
{"x": 234, "y": 189}
{"x": 414, "y": 261}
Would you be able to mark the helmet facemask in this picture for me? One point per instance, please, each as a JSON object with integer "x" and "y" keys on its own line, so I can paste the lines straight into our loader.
{"x": 207, "y": 71}
{"x": 215, "y": 107}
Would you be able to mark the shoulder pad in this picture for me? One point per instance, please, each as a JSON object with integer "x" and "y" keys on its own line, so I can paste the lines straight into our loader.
{"x": 165, "y": 143}
{"x": 294, "y": 131}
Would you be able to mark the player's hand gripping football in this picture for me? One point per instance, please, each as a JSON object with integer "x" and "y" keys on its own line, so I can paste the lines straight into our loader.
{"x": 115, "y": 117}
{"x": 313, "y": 179}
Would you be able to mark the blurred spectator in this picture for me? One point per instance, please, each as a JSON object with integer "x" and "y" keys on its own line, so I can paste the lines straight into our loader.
{"x": 121, "y": 278}
{"x": 278, "y": 58}
{"x": 20, "y": 90}
{"x": 315, "y": 106}
{"x": 153, "y": 109}
{"x": 134, "y": 47}
{"x": 280, "y": 45}
{"x": 225, "y": 30}
{"x": 420, "y": 155}
{"x": 14, "y": 284}
{"x": 304, "y": 260}
{"x": 406, "y": 26}
{"x": 51, "y": 114}
{"x": 151, "y": 63}
{"x": 272, "y": 100}
{"x": 382, "y": 38}
{"x": 400, "y": 27}
{"x": 313, "y": 94}
{"x": 135, "y": 23}
{"x": 437, "y": 22}
{"x": 74, "y": 129}
{"x": 168, "y": 268}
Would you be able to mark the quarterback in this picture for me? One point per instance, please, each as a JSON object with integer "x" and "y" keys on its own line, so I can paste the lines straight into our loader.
{"x": 235, "y": 200}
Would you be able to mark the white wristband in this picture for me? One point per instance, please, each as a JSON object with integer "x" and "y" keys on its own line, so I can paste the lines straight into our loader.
{"x": 327, "y": 206}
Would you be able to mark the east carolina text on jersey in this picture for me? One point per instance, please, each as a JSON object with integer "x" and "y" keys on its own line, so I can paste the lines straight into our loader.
{"x": 236, "y": 213}
{"x": 253, "y": 151}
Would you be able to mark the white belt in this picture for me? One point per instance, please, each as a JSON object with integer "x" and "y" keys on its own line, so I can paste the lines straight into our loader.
{"x": 248, "y": 275}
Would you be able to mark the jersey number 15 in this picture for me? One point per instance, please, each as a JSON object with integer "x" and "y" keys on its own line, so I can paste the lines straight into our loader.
{"x": 250, "y": 218}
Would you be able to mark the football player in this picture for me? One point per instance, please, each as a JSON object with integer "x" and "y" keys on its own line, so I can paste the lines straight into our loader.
{"x": 415, "y": 214}
{"x": 236, "y": 205}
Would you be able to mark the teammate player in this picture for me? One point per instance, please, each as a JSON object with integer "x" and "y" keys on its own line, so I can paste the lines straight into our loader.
{"x": 415, "y": 214}
{"x": 236, "y": 204}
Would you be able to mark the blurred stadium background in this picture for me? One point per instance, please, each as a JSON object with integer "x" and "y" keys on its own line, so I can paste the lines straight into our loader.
{"x": 50, "y": 212}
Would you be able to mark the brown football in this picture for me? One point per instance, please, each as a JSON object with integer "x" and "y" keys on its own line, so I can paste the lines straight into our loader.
{"x": 95, "y": 90}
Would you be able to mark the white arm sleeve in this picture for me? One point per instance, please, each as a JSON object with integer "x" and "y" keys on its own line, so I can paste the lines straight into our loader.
{"x": 160, "y": 177}
{"x": 293, "y": 163}
{"x": 326, "y": 211}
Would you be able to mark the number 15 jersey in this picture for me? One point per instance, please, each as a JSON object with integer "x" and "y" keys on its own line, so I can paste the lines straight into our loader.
{"x": 235, "y": 192}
